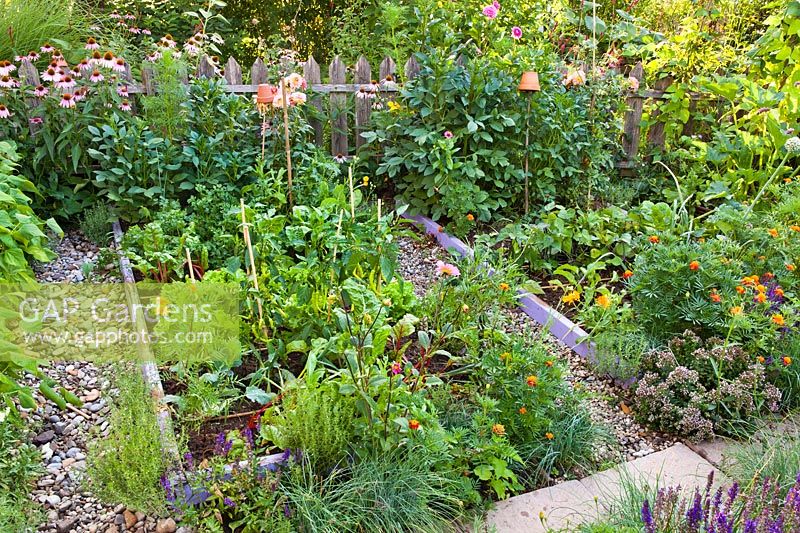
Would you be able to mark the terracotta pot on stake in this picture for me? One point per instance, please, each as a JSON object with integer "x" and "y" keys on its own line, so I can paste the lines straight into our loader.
{"x": 529, "y": 85}
{"x": 264, "y": 98}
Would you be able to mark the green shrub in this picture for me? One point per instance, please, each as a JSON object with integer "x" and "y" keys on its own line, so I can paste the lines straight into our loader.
{"x": 20, "y": 464}
{"x": 126, "y": 466}
{"x": 96, "y": 223}
{"x": 316, "y": 419}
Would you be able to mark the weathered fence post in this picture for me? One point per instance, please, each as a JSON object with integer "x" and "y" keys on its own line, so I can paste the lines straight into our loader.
{"x": 205, "y": 68}
{"x": 148, "y": 80}
{"x": 411, "y": 69}
{"x": 655, "y": 135}
{"x": 387, "y": 68}
{"x": 233, "y": 72}
{"x": 258, "y": 72}
{"x": 364, "y": 104}
{"x": 313, "y": 76}
{"x": 338, "y": 110}
{"x": 632, "y": 125}
{"x": 30, "y": 76}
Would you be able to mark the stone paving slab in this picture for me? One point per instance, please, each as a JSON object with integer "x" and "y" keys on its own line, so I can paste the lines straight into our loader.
{"x": 569, "y": 504}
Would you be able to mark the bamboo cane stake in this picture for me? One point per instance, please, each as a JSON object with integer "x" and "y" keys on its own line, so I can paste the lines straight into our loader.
{"x": 352, "y": 196}
{"x": 246, "y": 232}
{"x": 284, "y": 88}
{"x": 191, "y": 266}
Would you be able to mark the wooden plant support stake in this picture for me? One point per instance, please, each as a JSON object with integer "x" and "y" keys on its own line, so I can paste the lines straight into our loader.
{"x": 380, "y": 274}
{"x": 284, "y": 88}
{"x": 336, "y": 244}
{"x": 246, "y": 233}
{"x": 352, "y": 196}
{"x": 191, "y": 266}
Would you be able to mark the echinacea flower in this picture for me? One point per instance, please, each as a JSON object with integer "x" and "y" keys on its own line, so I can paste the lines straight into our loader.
{"x": 122, "y": 90}
{"x": 96, "y": 76}
{"x": 8, "y": 82}
{"x": 51, "y": 74}
{"x": 119, "y": 65}
{"x": 516, "y": 32}
{"x": 84, "y": 65}
{"x": 107, "y": 60}
{"x": 603, "y": 301}
{"x": 448, "y": 134}
{"x": 571, "y": 297}
{"x": 125, "y": 106}
{"x": 33, "y": 56}
{"x": 6, "y": 68}
{"x": 499, "y": 429}
{"x": 67, "y": 82}
{"x": 4, "y": 112}
{"x": 91, "y": 44}
{"x": 191, "y": 47}
{"x": 153, "y": 56}
{"x": 490, "y": 12}
{"x": 447, "y": 269}
{"x": 40, "y": 91}
{"x": 694, "y": 265}
{"x": 135, "y": 30}
{"x": 145, "y": 31}
{"x": 67, "y": 101}
{"x": 47, "y": 48}
{"x": 413, "y": 424}
{"x": 778, "y": 319}
{"x": 532, "y": 381}
{"x": 339, "y": 158}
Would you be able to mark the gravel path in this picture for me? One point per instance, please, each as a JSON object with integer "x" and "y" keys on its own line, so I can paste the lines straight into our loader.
{"x": 63, "y": 436}
{"x": 417, "y": 259}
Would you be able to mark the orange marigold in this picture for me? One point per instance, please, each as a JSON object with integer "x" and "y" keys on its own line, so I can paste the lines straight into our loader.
{"x": 715, "y": 296}
{"x": 532, "y": 381}
{"x": 549, "y": 436}
{"x": 779, "y": 292}
{"x": 522, "y": 410}
{"x": 787, "y": 361}
{"x": 603, "y": 301}
{"x": 548, "y": 363}
{"x": 740, "y": 289}
{"x": 736, "y": 310}
{"x": 794, "y": 227}
{"x": 778, "y": 319}
{"x": 761, "y": 288}
{"x": 761, "y": 297}
{"x": 499, "y": 430}
{"x": 413, "y": 424}
{"x": 761, "y": 359}
{"x": 790, "y": 267}
{"x": 654, "y": 239}
{"x": 571, "y": 297}
{"x": 470, "y": 217}
{"x": 504, "y": 287}
{"x": 694, "y": 265}
{"x": 773, "y": 232}
{"x": 627, "y": 274}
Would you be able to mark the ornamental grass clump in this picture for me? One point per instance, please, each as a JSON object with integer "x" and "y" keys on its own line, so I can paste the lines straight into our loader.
{"x": 761, "y": 509}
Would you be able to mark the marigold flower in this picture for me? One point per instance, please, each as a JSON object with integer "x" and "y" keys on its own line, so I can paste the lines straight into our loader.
{"x": 499, "y": 430}
{"x": 761, "y": 297}
{"x": 447, "y": 269}
{"x": 794, "y": 227}
{"x": 787, "y": 361}
{"x": 740, "y": 289}
{"x": 790, "y": 267}
{"x": 522, "y": 410}
{"x": 470, "y": 217}
{"x": 413, "y": 424}
{"x": 736, "y": 310}
{"x": 761, "y": 288}
{"x": 694, "y": 265}
{"x": 548, "y": 363}
{"x": 715, "y": 296}
{"x": 532, "y": 381}
{"x": 504, "y": 287}
{"x": 778, "y": 319}
{"x": 571, "y": 297}
{"x": 627, "y": 274}
{"x": 654, "y": 239}
{"x": 760, "y": 359}
{"x": 787, "y": 180}
{"x": 768, "y": 275}
{"x": 603, "y": 301}
{"x": 549, "y": 436}
{"x": 773, "y": 232}
{"x": 505, "y": 356}
{"x": 778, "y": 292}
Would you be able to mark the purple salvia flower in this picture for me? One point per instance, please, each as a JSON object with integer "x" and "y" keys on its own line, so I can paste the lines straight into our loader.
{"x": 189, "y": 459}
{"x": 229, "y": 503}
{"x": 694, "y": 515}
{"x": 286, "y": 511}
{"x": 647, "y": 518}
{"x": 725, "y": 524}
{"x": 167, "y": 486}
{"x": 750, "y": 525}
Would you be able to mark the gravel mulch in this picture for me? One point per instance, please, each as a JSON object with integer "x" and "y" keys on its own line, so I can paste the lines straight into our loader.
{"x": 608, "y": 403}
{"x": 63, "y": 437}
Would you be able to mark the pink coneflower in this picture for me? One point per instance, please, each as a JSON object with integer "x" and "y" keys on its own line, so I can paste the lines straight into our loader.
{"x": 115, "y": 16}
{"x": 91, "y": 44}
{"x": 96, "y": 76}
{"x": 96, "y": 59}
{"x": 35, "y": 121}
{"x": 107, "y": 60}
{"x": 122, "y": 90}
{"x": 4, "y": 111}
{"x": 516, "y": 32}
{"x": 67, "y": 101}
{"x": 339, "y": 158}
{"x": 79, "y": 95}
{"x": 447, "y": 269}
{"x": 191, "y": 47}
{"x": 167, "y": 41}
{"x": 67, "y": 82}
{"x": 33, "y": 56}
{"x": 84, "y": 65}
{"x": 6, "y": 68}
{"x": 125, "y": 105}
{"x": 129, "y": 16}
{"x": 134, "y": 29}
{"x": 40, "y": 91}
{"x": 119, "y": 65}
{"x": 57, "y": 56}
{"x": 20, "y": 59}
{"x": 153, "y": 56}
{"x": 76, "y": 71}
{"x": 448, "y": 134}
{"x": 47, "y": 48}
{"x": 6, "y": 82}
{"x": 490, "y": 12}
{"x": 145, "y": 31}
{"x": 51, "y": 74}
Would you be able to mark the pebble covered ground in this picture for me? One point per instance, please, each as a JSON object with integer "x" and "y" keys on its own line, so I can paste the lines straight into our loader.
{"x": 607, "y": 402}
{"x": 63, "y": 436}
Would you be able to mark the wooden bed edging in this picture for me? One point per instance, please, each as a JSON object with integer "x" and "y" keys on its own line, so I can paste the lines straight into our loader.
{"x": 562, "y": 328}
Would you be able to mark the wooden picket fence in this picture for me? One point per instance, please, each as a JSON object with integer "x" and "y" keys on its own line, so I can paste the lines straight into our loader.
{"x": 337, "y": 90}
